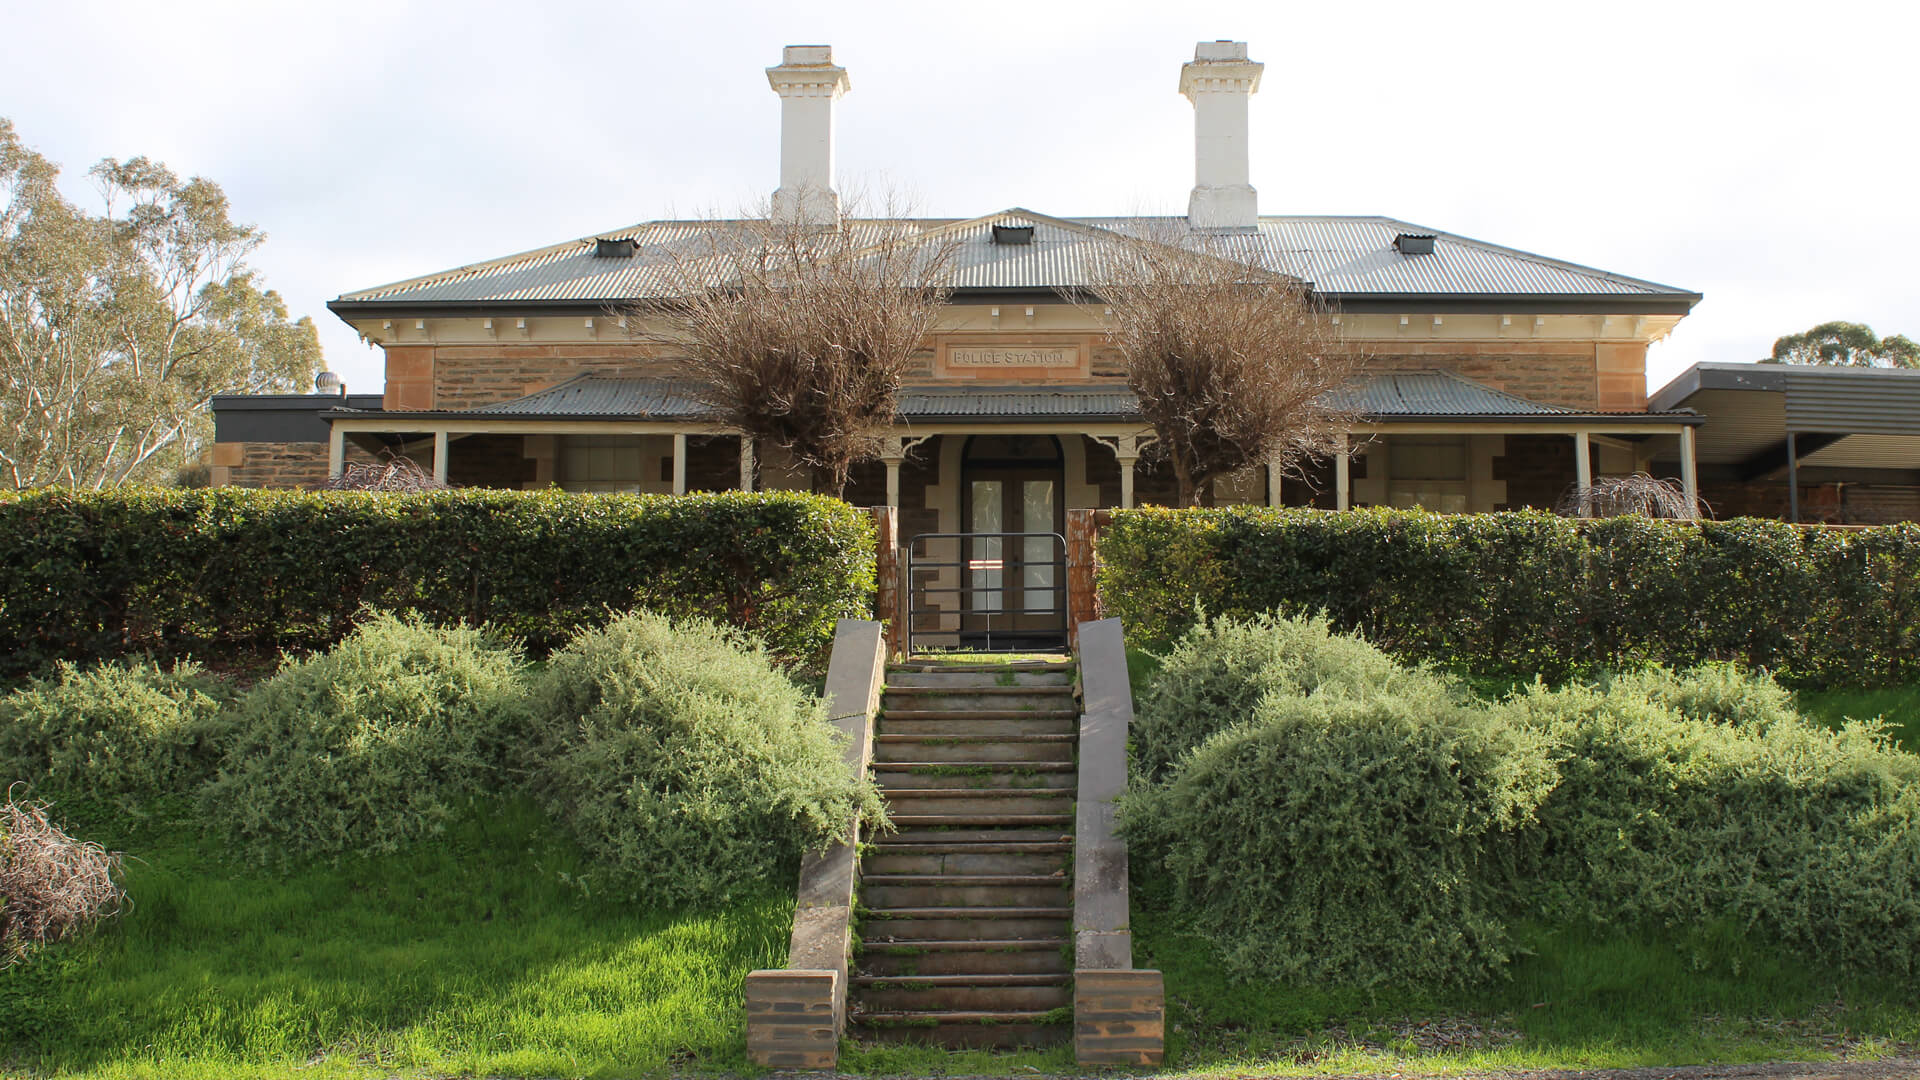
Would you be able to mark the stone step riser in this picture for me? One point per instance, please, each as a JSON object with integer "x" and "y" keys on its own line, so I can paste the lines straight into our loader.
{"x": 970, "y": 1036}
{"x": 948, "y": 751}
{"x": 882, "y": 930}
{"x": 950, "y": 837}
{"x": 964, "y": 998}
{"x": 961, "y": 724}
{"x": 960, "y": 701}
{"x": 958, "y": 680}
{"x": 919, "y": 803}
{"x": 975, "y": 778}
{"x": 960, "y": 897}
{"x": 1001, "y": 863}
{"x": 1026, "y": 962}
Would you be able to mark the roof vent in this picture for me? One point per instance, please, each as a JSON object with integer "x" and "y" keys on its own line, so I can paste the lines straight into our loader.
{"x": 1414, "y": 243}
{"x": 1013, "y": 234}
{"x": 622, "y": 248}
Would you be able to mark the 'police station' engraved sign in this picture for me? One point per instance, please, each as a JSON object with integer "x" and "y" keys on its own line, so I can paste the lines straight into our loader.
{"x": 1013, "y": 357}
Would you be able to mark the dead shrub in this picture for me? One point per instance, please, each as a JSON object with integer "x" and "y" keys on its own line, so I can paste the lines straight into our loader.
{"x": 392, "y": 474}
{"x": 1638, "y": 495}
{"x": 51, "y": 885}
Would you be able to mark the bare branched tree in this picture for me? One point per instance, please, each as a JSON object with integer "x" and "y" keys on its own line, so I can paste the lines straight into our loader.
{"x": 1638, "y": 495}
{"x": 1235, "y": 362}
{"x": 801, "y": 334}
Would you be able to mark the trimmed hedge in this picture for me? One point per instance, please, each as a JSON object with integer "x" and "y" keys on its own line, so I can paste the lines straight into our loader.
{"x": 1528, "y": 593}
{"x": 227, "y": 570}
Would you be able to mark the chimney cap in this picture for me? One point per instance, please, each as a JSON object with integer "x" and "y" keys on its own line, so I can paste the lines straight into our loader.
{"x": 1222, "y": 49}
{"x": 806, "y": 55}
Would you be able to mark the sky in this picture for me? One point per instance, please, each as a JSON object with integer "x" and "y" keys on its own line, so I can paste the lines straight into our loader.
{"x": 1761, "y": 154}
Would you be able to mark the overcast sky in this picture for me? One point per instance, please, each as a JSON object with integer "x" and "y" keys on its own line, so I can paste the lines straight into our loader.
{"x": 1762, "y": 155}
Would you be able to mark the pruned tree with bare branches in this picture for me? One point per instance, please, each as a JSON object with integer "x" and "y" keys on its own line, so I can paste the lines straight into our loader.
{"x": 1638, "y": 495}
{"x": 801, "y": 334}
{"x": 1234, "y": 360}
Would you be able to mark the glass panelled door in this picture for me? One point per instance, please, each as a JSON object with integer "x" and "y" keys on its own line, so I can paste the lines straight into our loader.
{"x": 1013, "y": 484}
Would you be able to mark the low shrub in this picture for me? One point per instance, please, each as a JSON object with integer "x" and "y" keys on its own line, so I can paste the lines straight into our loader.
{"x": 1361, "y": 841}
{"x": 372, "y": 745}
{"x": 1670, "y": 814}
{"x": 1527, "y": 593}
{"x": 1217, "y": 672}
{"x": 51, "y": 885}
{"x": 216, "y": 571}
{"x": 685, "y": 762}
{"x": 1391, "y": 831}
{"x": 119, "y": 728}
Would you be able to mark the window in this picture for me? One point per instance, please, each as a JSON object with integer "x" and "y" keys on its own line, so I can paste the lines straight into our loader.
{"x": 1428, "y": 472}
{"x": 601, "y": 463}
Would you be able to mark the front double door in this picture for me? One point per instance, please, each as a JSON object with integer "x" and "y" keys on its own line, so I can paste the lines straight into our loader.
{"x": 1014, "y": 584}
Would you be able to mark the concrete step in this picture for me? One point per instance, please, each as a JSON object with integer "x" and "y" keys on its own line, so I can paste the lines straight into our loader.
{"x": 1015, "y": 775}
{"x": 934, "y": 726}
{"x": 1029, "y": 956}
{"x": 913, "y": 802}
{"x": 949, "y": 837}
{"x": 963, "y": 993}
{"x": 964, "y": 892}
{"x": 969, "y": 861}
{"x": 882, "y": 926}
{"x": 973, "y": 748}
{"x": 966, "y": 1030}
{"x": 900, "y": 679}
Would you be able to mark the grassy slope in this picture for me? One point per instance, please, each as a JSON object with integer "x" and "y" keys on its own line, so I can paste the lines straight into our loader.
{"x": 472, "y": 956}
{"x": 1898, "y": 705}
{"x": 1576, "y": 1002}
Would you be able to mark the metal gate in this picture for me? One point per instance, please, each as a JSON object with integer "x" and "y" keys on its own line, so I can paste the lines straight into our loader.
{"x": 985, "y": 580}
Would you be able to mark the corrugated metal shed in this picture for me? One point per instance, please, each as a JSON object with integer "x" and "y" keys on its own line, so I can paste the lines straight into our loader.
{"x": 1342, "y": 256}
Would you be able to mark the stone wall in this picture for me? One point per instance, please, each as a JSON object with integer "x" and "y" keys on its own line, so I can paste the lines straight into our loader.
{"x": 1552, "y": 373}
{"x": 1827, "y": 503}
{"x": 488, "y": 461}
{"x": 275, "y": 465}
{"x": 468, "y": 376}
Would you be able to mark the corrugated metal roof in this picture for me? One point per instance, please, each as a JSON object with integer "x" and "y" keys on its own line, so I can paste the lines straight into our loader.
{"x": 1435, "y": 393}
{"x": 606, "y": 395}
{"x": 1387, "y": 395}
{"x": 1341, "y": 256}
{"x": 1016, "y": 402}
{"x": 1856, "y": 401}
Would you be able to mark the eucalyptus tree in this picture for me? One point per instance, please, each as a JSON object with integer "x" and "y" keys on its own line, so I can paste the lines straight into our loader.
{"x": 117, "y": 327}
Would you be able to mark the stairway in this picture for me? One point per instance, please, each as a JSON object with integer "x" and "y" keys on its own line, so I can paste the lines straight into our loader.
{"x": 966, "y": 937}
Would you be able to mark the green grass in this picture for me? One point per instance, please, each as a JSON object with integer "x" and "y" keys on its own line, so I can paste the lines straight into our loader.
{"x": 481, "y": 954}
{"x": 1899, "y": 706}
{"x": 1574, "y": 1001}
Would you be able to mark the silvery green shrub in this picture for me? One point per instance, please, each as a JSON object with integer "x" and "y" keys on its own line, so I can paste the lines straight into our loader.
{"x": 685, "y": 762}
{"x": 127, "y": 727}
{"x": 377, "y": 743}
{"x": 1215, "y": 675}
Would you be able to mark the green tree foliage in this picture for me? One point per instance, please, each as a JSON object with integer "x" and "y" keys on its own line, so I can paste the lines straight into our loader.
{"x": 121, "y": 728}
{"x": 117, "y": 328}
{"x": 1845, "y": 344}
{"x": 377, "y": 743}
{"x": 685, "y": 763}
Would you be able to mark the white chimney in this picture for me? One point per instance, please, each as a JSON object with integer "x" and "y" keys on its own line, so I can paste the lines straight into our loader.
{"x": 808, "y": 84}
{"x": 1218, "y": 82}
